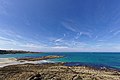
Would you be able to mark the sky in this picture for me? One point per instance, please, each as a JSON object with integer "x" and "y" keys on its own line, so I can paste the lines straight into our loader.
{"x": 60, "y": 25}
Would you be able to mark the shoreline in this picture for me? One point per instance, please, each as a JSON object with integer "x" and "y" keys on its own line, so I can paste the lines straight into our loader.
{"x": 95, "y": 66}
{"x": 45, "y": 59}
{"x": 39, "y": 58}
{"x": 16, "y": 52}
{"x": 55, "y": 71}
{"x": 15, "y": 61}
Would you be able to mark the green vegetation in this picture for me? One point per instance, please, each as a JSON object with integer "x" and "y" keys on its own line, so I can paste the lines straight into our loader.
{"x": 15, "y": 51}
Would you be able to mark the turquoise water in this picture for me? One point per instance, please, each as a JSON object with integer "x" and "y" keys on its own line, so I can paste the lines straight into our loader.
{"x": 97, "y": 58}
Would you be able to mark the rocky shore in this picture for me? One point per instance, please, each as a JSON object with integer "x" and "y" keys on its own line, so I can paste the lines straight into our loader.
{"x": 55, "y": 71}
{"x": 39, "y": 58}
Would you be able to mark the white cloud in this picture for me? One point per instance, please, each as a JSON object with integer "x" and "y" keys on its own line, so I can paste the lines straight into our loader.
{"x": 86, "y": 33}
{"x": 14, "y": 44}
{"x": 59, "y": 40}
{"x": 79, "y": 34}
{"x": 9, "y": 39}
{"x": 59, "y": 47}
{"x": 60, "y": 44}
{"x": 32, "y": 45}
{"x": 3, "y": 7}
{"x": 9, "y": 33}
{"x": 69, "y": 26}
{"x": 116, "y": 33}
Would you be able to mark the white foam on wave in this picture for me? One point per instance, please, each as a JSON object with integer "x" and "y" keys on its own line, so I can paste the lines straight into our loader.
{"x": 13, "y": 61}
{"x": 7, "y": 60}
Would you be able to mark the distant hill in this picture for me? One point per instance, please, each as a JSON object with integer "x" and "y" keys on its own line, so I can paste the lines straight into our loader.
{"x": 15, "y": 51}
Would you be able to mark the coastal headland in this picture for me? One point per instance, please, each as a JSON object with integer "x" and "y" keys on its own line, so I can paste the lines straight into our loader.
{"x": 55, "y": 71}
{"x": 15, "y": 51}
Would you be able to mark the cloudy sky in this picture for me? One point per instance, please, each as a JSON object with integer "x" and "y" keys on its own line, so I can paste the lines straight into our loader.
{"x": 60, "y": 25}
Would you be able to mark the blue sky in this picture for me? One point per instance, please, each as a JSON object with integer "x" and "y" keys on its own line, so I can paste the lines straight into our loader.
{"x": 60, "y": 25}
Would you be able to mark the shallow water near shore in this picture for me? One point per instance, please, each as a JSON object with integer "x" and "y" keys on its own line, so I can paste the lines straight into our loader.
{"x": 8, "y": 61}
{"x": 110, "y": 59}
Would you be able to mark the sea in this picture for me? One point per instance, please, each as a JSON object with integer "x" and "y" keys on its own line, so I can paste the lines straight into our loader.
{"x": 95, "y": 59}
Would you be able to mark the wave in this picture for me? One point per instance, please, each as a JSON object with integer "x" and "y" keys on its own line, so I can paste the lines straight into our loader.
{"x": 13, "y": 61}
{"x": 7, "y": 60}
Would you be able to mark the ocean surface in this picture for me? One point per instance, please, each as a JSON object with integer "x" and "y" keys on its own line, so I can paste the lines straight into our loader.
{"x": 110, "y": 59}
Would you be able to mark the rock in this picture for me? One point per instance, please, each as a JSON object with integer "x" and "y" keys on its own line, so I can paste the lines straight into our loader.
{"x": 39, "y": 58}
{"x": 77, "y": 77}
{"x": 56, "y": 78}
{"x": 55, "y": 71}
{"x": 36, "y": 77}
{"x": 94, "y": 78}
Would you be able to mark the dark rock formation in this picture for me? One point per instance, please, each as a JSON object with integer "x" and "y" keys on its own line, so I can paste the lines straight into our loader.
{"x": 55, "y": 71}
{"x": 77, "y": 77}
{"x": 39, "y": 58}
{"x": 36, "y": 77}
{"x": 15, "y": 51}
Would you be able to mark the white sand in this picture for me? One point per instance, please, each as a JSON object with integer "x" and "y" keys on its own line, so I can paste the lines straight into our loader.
{"x": 13, "y": 61}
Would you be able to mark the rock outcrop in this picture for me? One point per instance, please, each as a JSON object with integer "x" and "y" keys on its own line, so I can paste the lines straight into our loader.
{"x": 35, "y": 77}
{"x": 39, "y": 58}
{"x": 55, "y": 71}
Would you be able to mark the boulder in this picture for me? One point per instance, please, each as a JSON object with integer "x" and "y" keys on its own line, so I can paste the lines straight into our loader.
{"x": 36, "y": 77}
{"x": 77, "y": 77}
